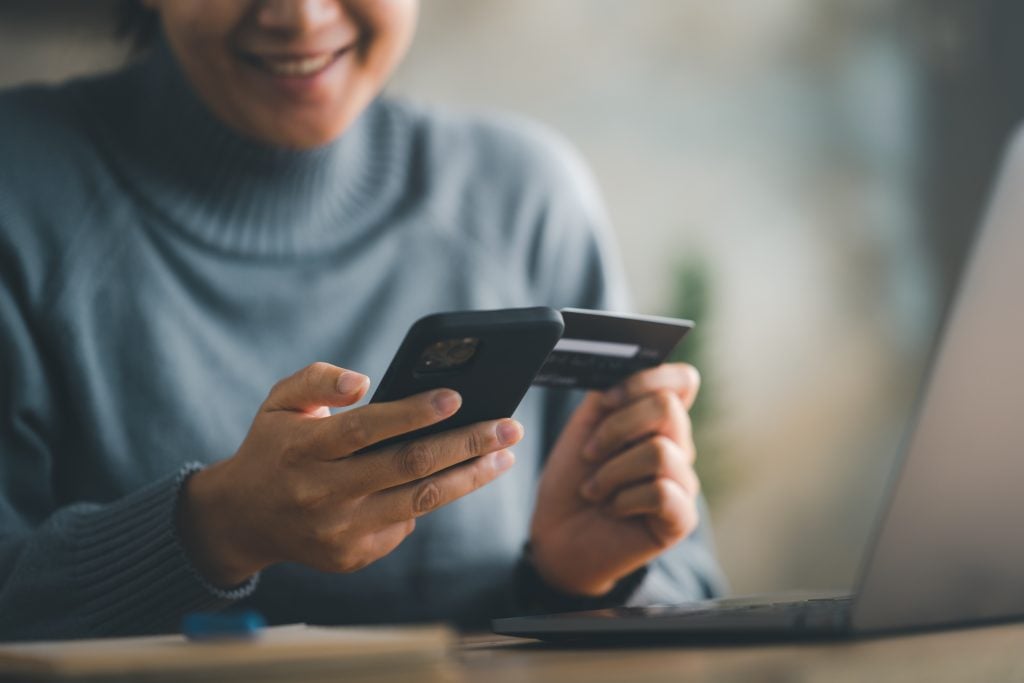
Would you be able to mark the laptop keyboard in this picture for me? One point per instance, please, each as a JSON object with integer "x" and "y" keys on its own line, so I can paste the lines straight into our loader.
{"x": 826, "y": 614}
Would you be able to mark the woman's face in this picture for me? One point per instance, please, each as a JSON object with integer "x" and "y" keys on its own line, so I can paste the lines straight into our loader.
{"x": 290, "y": 73}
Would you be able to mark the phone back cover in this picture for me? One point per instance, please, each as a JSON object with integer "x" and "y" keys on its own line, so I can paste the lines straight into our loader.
{"x": 513, "y": 345}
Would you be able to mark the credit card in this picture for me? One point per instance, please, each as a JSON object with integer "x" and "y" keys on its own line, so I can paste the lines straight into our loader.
{"x": 600, "y": 349}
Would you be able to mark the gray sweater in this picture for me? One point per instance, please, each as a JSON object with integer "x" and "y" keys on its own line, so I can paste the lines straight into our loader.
{"x": 158, "y": 273}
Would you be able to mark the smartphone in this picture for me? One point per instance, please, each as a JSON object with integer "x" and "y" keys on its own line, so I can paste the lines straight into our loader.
{"x": 489, "y": 357}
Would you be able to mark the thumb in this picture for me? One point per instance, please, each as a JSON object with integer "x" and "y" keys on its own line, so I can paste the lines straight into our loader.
{"x": 316, "y": 386}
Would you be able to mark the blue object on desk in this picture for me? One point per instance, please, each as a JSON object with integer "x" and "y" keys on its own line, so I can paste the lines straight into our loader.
{"x": 221, "y": 625}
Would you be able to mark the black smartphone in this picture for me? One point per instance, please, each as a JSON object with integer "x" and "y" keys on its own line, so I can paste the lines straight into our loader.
{"x": 489, "y": 357}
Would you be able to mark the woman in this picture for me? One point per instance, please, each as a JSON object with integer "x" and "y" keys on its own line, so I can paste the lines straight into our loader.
{"x": 177, "y": 236}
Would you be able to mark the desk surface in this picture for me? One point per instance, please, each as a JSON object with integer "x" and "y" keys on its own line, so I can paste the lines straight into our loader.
{"x": 426, "y": 654}
{"x": 977, "y": 655}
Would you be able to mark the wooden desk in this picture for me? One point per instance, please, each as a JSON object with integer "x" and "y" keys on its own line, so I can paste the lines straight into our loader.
{"x": 969, "y": 655}
{"x": 431, "y": 654}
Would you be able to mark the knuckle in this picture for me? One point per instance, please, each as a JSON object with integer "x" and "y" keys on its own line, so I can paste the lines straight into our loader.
{"x": 663, "y": 491}
{"x": 316, "y": 368}
{"x": 326, "y": 537}
{"x": 691, "y": 518}
{"x": 346, "y": 563}
{"x": 307, "y": 497}
{"x": 303, "y": 493}
{"x": 356, "y": 429}
{"x": 679, "y": 414}
{"x": 426, "y": 498}
{"x": 479, "y": 474}
{"x": 693, "y": 377}
{"x": 602, "y": 436}
{"x": 474, "y": 442}
{"x": 664, "y": 401}
{"x": 415, "y": 459}
{"x": 278, "y": 387}
{"x": 690, "y": 452}
{"x": 662, "y": 453}
{"x": 293, "y": 451}
{"x": 693, "y": 482}
{"x": 477, "y": 478}
{"x": 346, "y": 558}
{"x": 643, "y": 383}
{"x": 315, "y": 373}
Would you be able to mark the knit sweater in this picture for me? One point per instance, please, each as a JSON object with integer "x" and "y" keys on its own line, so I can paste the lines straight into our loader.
{"x": 159, "y": 272}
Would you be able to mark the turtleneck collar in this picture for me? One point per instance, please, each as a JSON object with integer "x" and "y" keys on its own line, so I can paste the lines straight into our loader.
{"x": 232, "y": 192}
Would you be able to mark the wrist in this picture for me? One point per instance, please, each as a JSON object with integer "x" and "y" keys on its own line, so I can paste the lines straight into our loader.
{"x": 537, "y": 594}
{"x": 568, "y": 580}
{"x": 204, "y": 521}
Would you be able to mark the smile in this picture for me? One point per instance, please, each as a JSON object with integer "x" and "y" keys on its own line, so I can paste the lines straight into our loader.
{"x": 291, "y": 66}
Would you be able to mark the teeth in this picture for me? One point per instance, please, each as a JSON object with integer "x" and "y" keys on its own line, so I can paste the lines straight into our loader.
{"x": 297, "y": 67}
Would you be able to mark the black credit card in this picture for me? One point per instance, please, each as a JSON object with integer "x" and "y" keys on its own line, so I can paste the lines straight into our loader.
{"x": 600, "y": 349}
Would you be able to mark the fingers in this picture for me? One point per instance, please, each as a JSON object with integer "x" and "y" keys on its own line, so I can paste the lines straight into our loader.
{"x": 661, "y": 412}
{"x": 654, "y": 458}
{"x": 681, "y": 379}
{"x": 672, "y": 512}
{"x": 345, "y": 433}
{"x": 315, "y": 386}
{"x": 420, "y": 497}
{"x": 419, "y": 458}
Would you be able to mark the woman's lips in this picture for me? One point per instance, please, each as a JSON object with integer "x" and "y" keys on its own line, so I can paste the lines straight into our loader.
{"x": 294, "y": 66}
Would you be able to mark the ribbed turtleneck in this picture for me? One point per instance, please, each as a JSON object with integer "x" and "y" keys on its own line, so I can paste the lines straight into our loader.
{"x": 232, "y": 192}
{"x": 136, "y": 338}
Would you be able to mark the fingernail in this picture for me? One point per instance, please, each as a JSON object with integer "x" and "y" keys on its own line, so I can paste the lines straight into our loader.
{"x": 589, "y": 489}
{"x": 509, "y": 432}
{"x": 503, "y": 460}
{"x": 351, "y": 382}
{"x": 446, "y": 401}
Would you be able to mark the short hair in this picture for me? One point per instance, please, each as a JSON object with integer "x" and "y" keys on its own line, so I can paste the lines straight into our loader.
{"x": 137, "y": 24}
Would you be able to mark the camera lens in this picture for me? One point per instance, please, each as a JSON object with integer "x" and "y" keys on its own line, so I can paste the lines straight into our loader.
{"x": 461, "y": 351}
{"x": 448, "y": 354}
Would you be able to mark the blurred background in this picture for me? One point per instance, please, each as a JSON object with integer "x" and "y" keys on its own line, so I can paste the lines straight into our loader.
{"x": 802, "y": 177}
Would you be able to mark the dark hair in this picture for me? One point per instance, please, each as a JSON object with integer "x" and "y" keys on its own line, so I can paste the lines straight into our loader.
{"x": 137, "y": 24}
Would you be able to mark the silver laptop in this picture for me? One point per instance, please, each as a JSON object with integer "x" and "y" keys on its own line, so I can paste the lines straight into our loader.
{"x": 949, "y": 547}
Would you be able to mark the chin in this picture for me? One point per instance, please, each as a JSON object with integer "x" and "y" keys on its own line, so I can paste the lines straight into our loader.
{"x": 303, "y": 134}
{"x": 303, "y": 141}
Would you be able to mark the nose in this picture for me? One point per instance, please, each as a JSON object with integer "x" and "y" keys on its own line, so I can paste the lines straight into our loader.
{"x": 297, "y": 16}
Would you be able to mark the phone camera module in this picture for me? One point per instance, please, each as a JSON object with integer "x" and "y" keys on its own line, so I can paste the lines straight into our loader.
{"x": 448, "y": 354}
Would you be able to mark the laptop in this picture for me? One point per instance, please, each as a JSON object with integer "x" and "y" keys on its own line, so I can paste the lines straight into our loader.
{"x": 948, "y": 549}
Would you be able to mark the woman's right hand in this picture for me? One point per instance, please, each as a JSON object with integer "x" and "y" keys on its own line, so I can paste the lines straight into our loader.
{"x": 292, "y": 493}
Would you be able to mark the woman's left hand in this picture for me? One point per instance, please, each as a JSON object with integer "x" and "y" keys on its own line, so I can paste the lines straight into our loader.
{"x": 619, "y": 487}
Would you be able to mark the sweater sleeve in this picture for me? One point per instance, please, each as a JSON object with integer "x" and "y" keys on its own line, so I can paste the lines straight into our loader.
{"x": 81, "y": 568}
{"x": 579, "y": 267}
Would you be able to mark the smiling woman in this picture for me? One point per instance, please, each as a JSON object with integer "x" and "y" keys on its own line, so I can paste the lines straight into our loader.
{"x": 289, "y": 74}
{"x": 242, "y": 201}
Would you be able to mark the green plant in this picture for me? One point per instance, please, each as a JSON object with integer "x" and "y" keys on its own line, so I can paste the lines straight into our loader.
{"x": 692, "y": 298}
